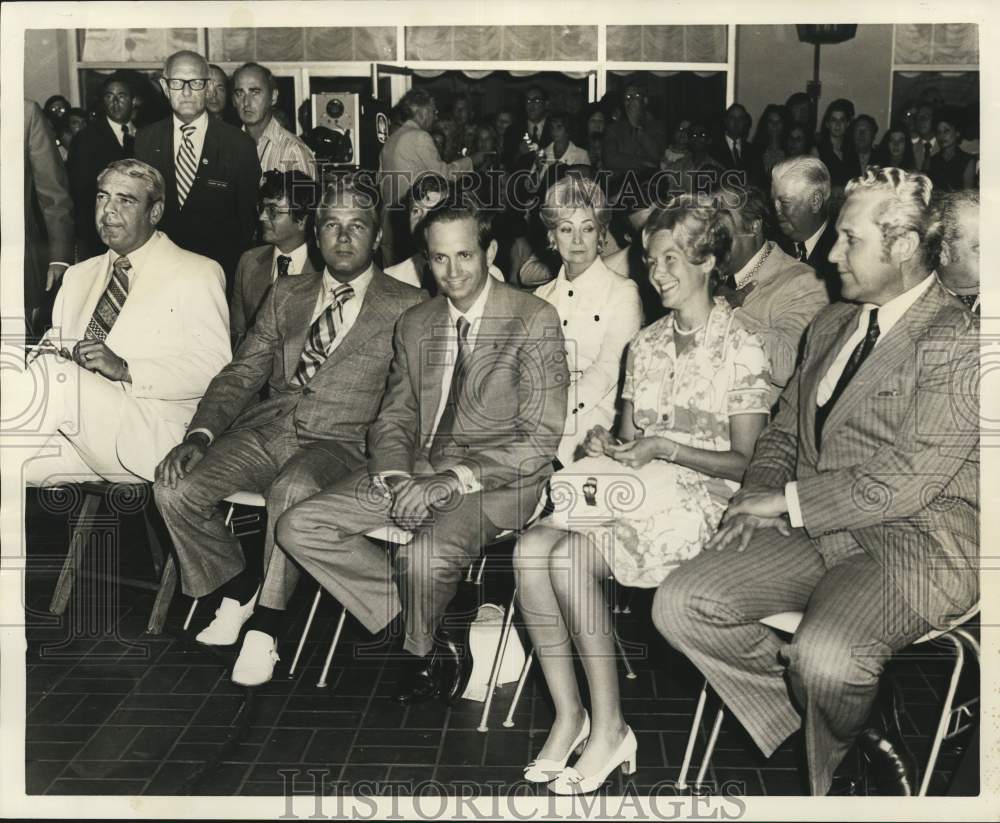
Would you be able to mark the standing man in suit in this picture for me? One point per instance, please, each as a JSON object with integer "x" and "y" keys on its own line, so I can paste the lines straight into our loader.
{"x": 636, "y": 141}
{"x": 210, "y": 167}
{"x": 48, "y": 218}
{"x": 138, "y": 334}
{"x": 734, "y": 150}
{"x": 535, "y": 124}
{"x": 461, "y": 449}
{"x": 287, "y": 199}
{"x": 775, "y": 295}
{"x": 860, "y": 505}
{"x": 800, "y": 188}
{"x": 323, "y": 344}
{"x": 108, "y": 138}
{"x": 255, "y": 92}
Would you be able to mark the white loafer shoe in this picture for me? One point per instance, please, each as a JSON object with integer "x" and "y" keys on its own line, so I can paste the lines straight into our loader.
{"x": 544, "y": 770}
{"x": 224, "y": 630}
{"x": 570, "y": 781}
{"x": 255, "y": 665}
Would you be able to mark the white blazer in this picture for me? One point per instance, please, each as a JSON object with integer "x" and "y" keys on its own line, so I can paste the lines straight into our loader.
{"x": 173, "y": 330}
{"x": 600, "y": 313}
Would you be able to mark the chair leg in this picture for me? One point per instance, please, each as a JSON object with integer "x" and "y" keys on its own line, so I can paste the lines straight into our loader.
{"x": 305, "y": 631}
{"x": 153, "y": 536}
{"x": 482, "y": 566}
{"x": 945, "y": 719}
{"x": 508, "y": 624}
{"x": 629, "y": 672}
{"x": 74, "y": 555}
{"x": 692, "y": 737}
{"x": 321, "y": 683}
{"x": 168, "y": 583}
{"x": 710, "y": 748}
{"x": 190, "y": 614}
{"x": 509, "y": 720}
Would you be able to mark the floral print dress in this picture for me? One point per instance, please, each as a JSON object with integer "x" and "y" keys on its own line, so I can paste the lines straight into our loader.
{"x": 648, "y": 521}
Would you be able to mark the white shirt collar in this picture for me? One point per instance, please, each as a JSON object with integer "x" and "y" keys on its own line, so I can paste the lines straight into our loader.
{"x": 581, "y": 280}
{"x": 732, "y": 141}
{"x": 812, "y": 241}
{"x": 200, "y": 123}
{"x": 475, "y": 311}
{"x": 298, "y": 256}
{"x": 116, "y": 130}
{"x": 360, "y": 284}
{"x": 138, "y": 257}
{"x": 889, "y": 313}
{"x": 742, "y": 277}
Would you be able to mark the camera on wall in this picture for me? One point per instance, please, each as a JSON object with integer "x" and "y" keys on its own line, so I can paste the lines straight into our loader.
{"x": 349, "y": 129}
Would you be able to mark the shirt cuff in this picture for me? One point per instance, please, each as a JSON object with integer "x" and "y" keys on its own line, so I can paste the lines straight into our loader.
{"x": 378, "y": 480}
{"x": 59, "y": 263}
{"x": 466, "y": 478}
{"x": 205, "y": 432}
{"x": 792, "y": 501}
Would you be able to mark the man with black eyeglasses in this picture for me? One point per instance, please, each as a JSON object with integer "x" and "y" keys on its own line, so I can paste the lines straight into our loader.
{"x": 108, "y": 138}
{"x": 636, "y": 141}
{"x": 533, "y": 132}
{"x": 211, "y": 168}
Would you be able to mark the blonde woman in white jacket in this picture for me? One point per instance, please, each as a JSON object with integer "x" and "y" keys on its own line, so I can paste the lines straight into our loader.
{"x": 599, "y": 309}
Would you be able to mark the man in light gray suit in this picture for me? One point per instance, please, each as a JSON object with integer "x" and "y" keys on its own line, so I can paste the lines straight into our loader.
{"x": 860, "y": 506}
{"x": 323, "y": 344}
{"x": 774, "y": 295}
{"x": 287, "y": 199}
{"x": 463, "y": 444}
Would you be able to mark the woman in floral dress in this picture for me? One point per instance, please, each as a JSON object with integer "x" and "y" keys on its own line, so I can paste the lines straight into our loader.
{"x": 694, "y": 401}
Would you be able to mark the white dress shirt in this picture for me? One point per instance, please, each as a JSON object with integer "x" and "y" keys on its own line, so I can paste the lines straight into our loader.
{"x": 116, "y": 130}
{"x": 351, "y": 308}
{"x": 888, "y": 315}
{"x": 200, "y": 124}
{"x": 814, "y": 239}
{"x": 298, "y": 263}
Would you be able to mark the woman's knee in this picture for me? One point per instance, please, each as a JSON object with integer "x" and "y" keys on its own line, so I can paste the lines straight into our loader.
{"x": 533, "y": 551}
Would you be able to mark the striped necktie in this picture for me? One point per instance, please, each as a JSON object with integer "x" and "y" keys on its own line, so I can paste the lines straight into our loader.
{"x": 322, "y": 333}
{"x": 187, "y": 165}
{"x": 801, "y": 253}
{"x": 446, "y": 425}
{"x": 111, "y": 302}
{"x": 284, "y": 261}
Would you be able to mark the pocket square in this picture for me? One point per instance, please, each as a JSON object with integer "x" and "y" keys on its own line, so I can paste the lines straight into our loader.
{"x": 889, "y": 393}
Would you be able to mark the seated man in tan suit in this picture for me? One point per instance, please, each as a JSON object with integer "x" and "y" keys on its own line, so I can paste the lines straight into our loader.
{"x": 323, "y": 343}
{"x": 463, "y": 444}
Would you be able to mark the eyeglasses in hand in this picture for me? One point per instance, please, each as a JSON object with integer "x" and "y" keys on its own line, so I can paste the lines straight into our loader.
{"x": 176, "y": 84}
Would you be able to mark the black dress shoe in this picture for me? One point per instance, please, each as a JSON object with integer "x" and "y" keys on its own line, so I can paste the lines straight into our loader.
{"x": 893, "y": 766}
{"x": 455, "y": 663}
{"x": 418, "y": 681}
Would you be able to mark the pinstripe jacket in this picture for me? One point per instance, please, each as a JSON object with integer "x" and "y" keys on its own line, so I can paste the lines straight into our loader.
{"x": 898, "y": 470}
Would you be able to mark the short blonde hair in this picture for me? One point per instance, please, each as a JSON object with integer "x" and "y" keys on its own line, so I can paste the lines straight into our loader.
{"x": 573, "y": 193}
{"x": 906, "y": 208}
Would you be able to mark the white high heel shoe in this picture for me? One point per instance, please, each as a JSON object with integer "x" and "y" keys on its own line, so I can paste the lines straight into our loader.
{"x": 570, "y": 781}
{"x": 543, "y": 770}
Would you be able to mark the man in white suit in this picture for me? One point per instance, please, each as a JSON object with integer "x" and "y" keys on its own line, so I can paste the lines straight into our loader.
{"x": 138, "y": 333}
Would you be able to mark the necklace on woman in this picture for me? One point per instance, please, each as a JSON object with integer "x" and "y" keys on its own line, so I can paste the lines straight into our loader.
{"x": 687, "y": 332}
{"x": 756, "y": 266}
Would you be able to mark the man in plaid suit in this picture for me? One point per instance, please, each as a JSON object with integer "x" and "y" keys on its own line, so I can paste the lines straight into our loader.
{"x": 860, "y": 506}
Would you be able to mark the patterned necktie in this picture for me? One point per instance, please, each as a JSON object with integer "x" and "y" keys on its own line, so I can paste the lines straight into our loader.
{"x": 111, "y": 302}
{"x": 128, "y": 140}
{"x": 187, "y": 165}
{"x": 971, "y": 302}
{"x": 446, "y": 425}
{"x": 801, "y": 253}
{"x": 321, "y": 335}
{"x": 736, "y": 152}
{"x": 858, "y": 356}
{"x": 284, "y": 261}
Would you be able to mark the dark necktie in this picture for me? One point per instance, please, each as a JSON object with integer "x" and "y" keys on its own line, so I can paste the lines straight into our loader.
{"x": 927, "y": 154}
{"x": 128, "y": 140}
{"x": 284, "y": 261}
{"x": 446, "y": 425}
{"x": 111, "y": 302}
{"x": 801, "y": 253}
{"x": 322, "y": 333}
{"x": 534, "y": 133}
{"x": 971, "y": 301}
{"x": 736, "y": 152}
{"x": 858, "y": 356}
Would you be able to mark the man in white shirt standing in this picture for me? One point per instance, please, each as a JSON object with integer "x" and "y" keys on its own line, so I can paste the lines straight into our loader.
{"x": 322, "y": 343}
{"x": 860, "y": 506}
{"x": 255, "y": 92}
{"x": 462, "y": 447}
{"x": 287, "y": 199}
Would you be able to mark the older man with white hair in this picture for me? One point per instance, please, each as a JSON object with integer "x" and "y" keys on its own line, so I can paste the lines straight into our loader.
{"x": 800, "y": 188}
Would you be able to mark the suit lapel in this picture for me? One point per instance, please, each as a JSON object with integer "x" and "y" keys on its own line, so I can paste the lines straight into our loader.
{"x": 830, "y": 344}
{"x": 430, "y": 362}
{"x": 298, "y": 316}
{"x": 371, "y": 319}
{"x": 260, "y": 282}
{"x": 207, "y": 163}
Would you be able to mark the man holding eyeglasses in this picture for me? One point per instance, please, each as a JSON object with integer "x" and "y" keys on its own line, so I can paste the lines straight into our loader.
{"x": 108, "y": 138}
{"x": 535, "y": 126}
{"x": 211, "y": 168}
{"x": 286, "y": 201}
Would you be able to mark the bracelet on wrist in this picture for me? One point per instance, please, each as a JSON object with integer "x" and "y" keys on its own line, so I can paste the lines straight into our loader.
{"x": 673, "y": 454}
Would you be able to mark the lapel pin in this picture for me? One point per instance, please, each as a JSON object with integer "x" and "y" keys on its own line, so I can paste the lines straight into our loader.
{"x": 204, "y": 161}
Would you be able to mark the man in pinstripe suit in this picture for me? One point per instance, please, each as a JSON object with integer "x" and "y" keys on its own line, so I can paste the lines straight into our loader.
{"x": 860, "y": 506}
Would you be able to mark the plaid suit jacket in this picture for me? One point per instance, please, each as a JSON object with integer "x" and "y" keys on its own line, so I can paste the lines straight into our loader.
{"x": 898, "y": 469}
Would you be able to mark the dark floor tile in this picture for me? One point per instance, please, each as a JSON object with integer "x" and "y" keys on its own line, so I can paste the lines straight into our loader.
{"x": 463, "y": 748}
{"x": 264, "y": 710}
{"x": 150, "y": 717}
{"x": 109, "y": 743}
{"x": 59, "y": 733}
{"x": 90, "y": 685}
{"x": 53, "y": 708}
{"x": 152, "y": 743}
{"x": 99, "y": 787}
{"x": 384, "y": 713}
{"x": 220, "y": 711}
{"x": 172, "y": 778}
{"x": 391, "y": 755}
{"x": 319, "y": 720}
{"x": 198, "y": 680}
{"x": 42, "y": 678}
{"x": 735, "y": 781}
{"x": 784, "y": 782}
{"x": 46, "y": 750}
{"x": 286, "y": 745}
{"x": 94, "y": 709}
{"x": 110, "y": 769}
{"x": 329, "y": 747}
{"x": 354, "y": 773}
{"x": 173, "y": 702}
{"x": 500, "y": 780}
{"x": 660, "y": 781}
{"x": 160, "y": 679}
{"x": 39, "y": 774}
{"x": 399, "y": 737}
{"x": 223, "y": 779}
{"x": 270, "y": 789}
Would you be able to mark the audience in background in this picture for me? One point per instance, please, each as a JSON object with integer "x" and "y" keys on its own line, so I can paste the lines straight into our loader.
{"x": 959, "y": 268}
{"x": 951, "y": 169}
{"x": 896, "y": 149}
{"x": 637, "y": 140}
{"x": 834, "y": 142}
{"x": 863, "y": 131}
{"x": 770, "y": 138}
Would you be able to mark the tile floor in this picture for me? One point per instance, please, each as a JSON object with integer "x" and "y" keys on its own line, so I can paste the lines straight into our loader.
{"x": 111, "y": 710}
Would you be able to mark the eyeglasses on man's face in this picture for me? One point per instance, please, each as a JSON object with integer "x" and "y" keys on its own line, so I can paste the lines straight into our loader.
{"x": 272, "y": 211}
{"x": 176, "y": 84}
{"x": 633, "y": 96}
{"x": 536, "y": 100}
